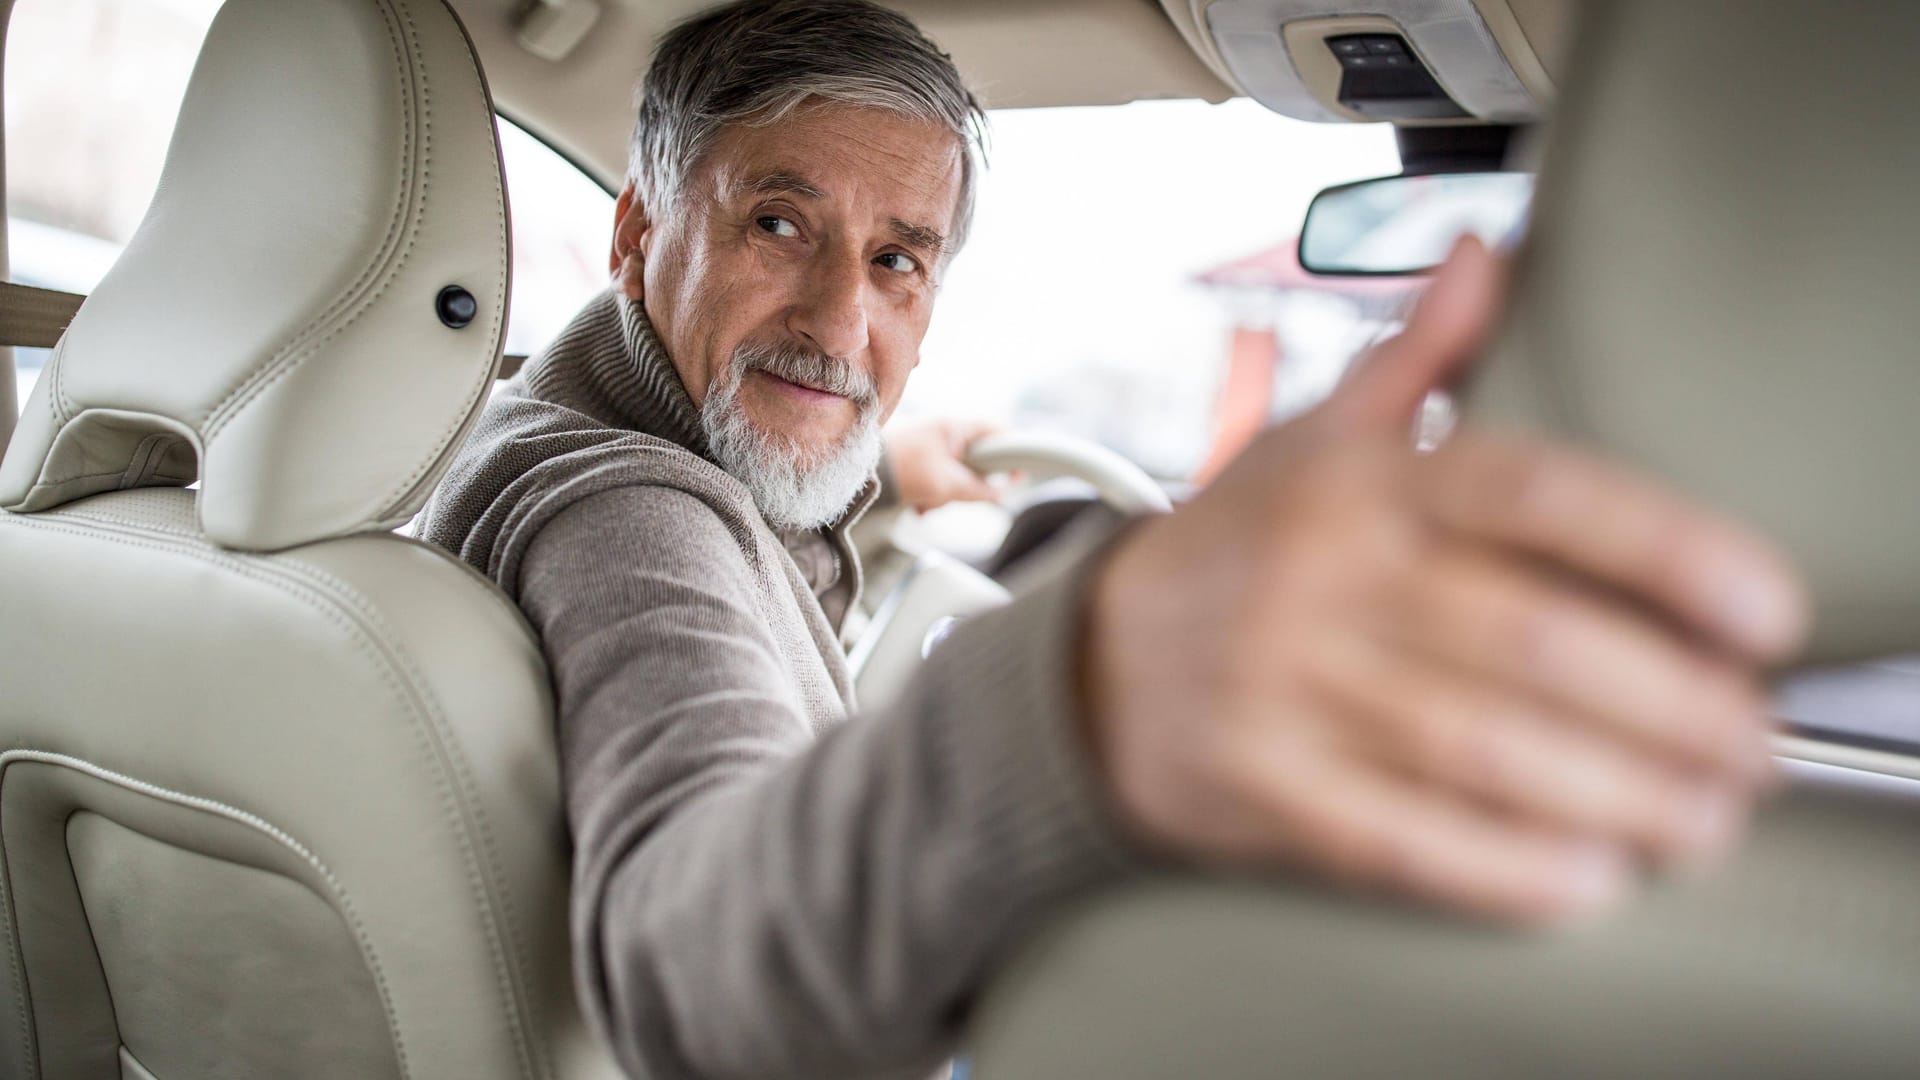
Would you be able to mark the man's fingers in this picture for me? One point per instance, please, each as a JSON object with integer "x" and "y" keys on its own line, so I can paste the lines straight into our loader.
{"x": 1707, "y": 573}
{"x": 1589, "y": 659}
{"x": 1491, "y": 744}
{"x": 962, "y": 434}
{"x": 965, "y": 485}
{"x": 1446, "y": 331}
{"x": 1374, "y": 830}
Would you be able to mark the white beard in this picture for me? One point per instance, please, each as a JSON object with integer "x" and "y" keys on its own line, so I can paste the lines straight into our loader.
{"x": 791, "y": 491}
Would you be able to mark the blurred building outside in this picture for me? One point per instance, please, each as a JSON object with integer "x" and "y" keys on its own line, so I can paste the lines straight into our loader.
{"x": 1292, "y": 338}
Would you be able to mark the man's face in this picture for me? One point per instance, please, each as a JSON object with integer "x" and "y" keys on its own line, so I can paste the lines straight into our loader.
{"x": 823, "y": 231}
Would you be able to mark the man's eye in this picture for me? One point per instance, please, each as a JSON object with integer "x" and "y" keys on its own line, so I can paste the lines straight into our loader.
{"x": 778, "y": 226}
{"x": 893, "y": 260}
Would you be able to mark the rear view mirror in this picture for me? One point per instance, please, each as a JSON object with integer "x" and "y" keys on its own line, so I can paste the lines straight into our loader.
{"x": 1407, "y": 224}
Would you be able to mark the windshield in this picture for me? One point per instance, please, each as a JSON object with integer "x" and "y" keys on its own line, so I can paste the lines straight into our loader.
{"x": 1131, "y": 278}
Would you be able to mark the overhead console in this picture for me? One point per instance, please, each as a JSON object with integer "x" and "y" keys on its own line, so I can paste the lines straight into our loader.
{"x": 1411, "y": 62}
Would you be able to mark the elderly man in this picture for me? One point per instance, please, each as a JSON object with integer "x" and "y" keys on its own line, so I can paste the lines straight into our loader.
{"x": 1500, "y": 678}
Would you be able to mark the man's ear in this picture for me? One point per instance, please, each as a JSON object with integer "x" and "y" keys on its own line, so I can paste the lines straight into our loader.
{"x": 627, "y": 261}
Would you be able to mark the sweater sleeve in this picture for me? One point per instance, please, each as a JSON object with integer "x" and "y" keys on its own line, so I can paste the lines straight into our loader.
{"x": 752, "y": 900}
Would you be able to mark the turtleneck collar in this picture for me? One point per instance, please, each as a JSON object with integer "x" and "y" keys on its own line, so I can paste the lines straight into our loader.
{"x": 623, "y": 379}
{"x": 611, "y": 365}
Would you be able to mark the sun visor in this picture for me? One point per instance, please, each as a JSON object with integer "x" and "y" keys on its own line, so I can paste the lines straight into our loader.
{"x": 1404, "y": 61}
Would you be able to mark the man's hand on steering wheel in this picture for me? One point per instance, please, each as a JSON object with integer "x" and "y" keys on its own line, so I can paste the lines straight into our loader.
{"x": 928, "y": 469}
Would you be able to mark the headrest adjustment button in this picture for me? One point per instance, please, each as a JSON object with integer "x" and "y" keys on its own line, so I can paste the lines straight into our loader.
{"x": 456, "y": 306}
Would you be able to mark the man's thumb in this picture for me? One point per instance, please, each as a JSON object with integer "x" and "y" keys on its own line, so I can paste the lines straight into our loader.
{"x": 1447, "y": 330}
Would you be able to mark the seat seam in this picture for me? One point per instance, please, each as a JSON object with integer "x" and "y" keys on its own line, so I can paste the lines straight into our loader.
{"x": 232, "y": 813}
{"x": 335, "y": 599}
{"x": 86, "y": 917}
{"x": 297, "y": 347}
{"x": 29, "y": 1040}
{"x": 511, "y": 956}
{"x": 304, "y": 594}
{"x": 500, "y": 598}
{"x": 130, "y": 523}
{"x": 468, "y": 415}
{"x": 143, "y": 459}
{"x": 56, "y": 396}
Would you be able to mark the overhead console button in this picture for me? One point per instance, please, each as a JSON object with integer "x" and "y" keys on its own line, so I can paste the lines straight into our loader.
{"x": 1381, "y": 79}
{"x": 1293, "y": 55}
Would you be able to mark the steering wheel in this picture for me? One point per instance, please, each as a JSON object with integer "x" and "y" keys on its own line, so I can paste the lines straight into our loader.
{"x": 923, "y": 592}
{"x": 1120, "y": 483}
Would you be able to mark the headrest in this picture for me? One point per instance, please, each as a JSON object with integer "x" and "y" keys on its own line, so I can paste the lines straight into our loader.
{"x": 1720, "y": 282}
{"x": 289, "y": 317}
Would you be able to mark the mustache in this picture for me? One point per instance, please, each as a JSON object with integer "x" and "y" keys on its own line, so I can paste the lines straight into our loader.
{"x": 806, "y": 367}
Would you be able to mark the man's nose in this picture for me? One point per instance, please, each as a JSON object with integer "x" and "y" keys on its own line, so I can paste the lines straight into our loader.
{"x": 832, "y": 313}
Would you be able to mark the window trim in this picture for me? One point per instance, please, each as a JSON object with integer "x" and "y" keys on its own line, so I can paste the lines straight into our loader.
{"x": 571, "y": 159}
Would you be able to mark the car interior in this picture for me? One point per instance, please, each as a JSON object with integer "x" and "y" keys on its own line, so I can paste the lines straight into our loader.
{"x": 278, "y": 791}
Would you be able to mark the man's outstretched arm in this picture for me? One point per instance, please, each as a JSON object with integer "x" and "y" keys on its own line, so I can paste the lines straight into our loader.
{"x": 752, "y": 901}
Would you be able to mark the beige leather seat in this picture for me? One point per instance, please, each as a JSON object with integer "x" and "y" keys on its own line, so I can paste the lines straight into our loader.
{"x": 1720, "y": 288}
{"x": 277, "y": 794}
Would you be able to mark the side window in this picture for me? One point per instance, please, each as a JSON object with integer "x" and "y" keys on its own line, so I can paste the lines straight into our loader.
{"x": 92, "y": 90}
{"x": 562, "y": 228}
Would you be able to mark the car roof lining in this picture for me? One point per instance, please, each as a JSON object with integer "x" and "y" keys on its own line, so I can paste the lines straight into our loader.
{"x": 1014, "y": 53}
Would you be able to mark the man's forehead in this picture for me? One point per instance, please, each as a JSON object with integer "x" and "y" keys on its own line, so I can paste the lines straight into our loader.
{"x": 896, "y": 168}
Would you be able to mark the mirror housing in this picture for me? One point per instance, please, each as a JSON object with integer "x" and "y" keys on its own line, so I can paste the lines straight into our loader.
{"x": 1398, "y": 225}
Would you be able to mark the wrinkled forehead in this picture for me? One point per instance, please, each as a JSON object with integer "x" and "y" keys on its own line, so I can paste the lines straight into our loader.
{"x": 866, "y": 163}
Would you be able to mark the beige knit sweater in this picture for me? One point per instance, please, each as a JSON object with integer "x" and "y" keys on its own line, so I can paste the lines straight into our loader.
{"x": 762, "y": 887}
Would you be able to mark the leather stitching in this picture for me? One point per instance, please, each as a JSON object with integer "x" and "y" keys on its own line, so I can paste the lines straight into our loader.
{"x": 484, "y": 872}
{"x": 334, "y": 600}
{"x": 304, "y": 593}
{"x": 57, "y": 396}
{"x": 301, "y": 345}
{"x": 44, "y": 485}
{"x": 231, "y": 813}
{"x": 144, "y": 459}
{"x": 469, "y": 413}
{"x": 297, "y": 348}
{"x": 86, "y": 918}
{"x": 501, "y": 600}
{"x": 28, "y": 1044}
{"x": 504, "y": 928}
{"x": 130, "y": 523}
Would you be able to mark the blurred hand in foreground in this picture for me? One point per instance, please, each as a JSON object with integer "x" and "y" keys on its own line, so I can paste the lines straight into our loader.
{"x": 928, "y": 465}
{"x": 1500, "y": 677}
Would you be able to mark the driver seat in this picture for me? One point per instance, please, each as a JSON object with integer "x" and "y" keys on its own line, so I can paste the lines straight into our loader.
{"x": 278, "y": 795}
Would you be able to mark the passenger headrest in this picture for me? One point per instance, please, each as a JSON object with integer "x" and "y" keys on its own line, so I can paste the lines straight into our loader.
{"x": 1721, "y": 283}
{"x": 310, "y": 315}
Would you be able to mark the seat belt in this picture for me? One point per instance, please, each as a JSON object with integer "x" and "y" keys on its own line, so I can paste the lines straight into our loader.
{"x": 35, "y": 317}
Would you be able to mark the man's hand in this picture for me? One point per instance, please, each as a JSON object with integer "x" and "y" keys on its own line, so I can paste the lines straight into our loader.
{"x": 927, "y": 464}
{"x": 1497, "y": 677}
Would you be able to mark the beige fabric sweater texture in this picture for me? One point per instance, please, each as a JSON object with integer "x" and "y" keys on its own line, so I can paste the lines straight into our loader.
{"x": 765, "y": 884}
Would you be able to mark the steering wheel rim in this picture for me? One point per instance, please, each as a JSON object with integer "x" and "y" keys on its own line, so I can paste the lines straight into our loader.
{"x": 1120, "y": 483}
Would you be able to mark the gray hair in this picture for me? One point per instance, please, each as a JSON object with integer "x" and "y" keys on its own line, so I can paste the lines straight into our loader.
{"x": 754, "y": 61}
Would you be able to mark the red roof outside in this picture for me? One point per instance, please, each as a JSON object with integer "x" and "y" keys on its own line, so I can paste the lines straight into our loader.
{"x": 1278, "y": 268}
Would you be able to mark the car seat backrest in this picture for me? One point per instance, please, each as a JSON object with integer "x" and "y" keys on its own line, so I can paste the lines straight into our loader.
{"x": 1719, "y": 286}
{"x": 278, "y": 791}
